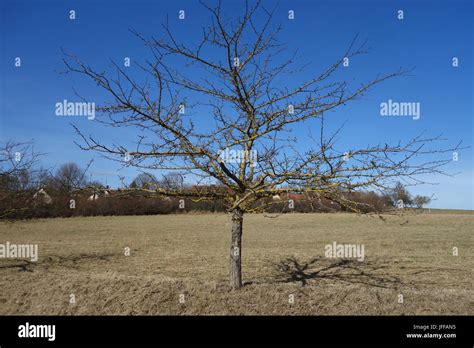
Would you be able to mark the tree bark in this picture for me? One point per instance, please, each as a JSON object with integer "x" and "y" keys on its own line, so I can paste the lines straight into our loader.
{"x": 236, "y": 249}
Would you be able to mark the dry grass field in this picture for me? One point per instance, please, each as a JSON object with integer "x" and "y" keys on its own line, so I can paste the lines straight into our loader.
{"x": 188, "y": 254}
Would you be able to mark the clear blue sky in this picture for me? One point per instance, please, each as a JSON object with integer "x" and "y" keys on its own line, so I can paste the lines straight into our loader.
{"x": 431, "y": 34}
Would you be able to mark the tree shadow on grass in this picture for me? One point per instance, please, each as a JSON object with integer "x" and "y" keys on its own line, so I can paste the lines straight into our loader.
{"x": 69, "y": 261}
{"x": 369, "y": 273}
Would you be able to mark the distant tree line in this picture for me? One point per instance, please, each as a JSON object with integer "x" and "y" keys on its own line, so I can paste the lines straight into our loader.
{"x": 30, "y": 192}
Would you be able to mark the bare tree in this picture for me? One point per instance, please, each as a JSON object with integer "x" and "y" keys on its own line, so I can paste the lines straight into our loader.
{"x": 17, "y": 169}
{"x": 70, "y": 176}
{"x": 17, "y": 157}
{"x": 400, "y": 196}
{"x": 232, "y": 81}
{"x": 420, "y": 201}
{"x": 172, "y": 181}
{"x": 145, "y": 181}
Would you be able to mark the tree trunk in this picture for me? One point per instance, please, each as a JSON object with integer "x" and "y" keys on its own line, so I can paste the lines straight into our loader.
{"x": 236, "y": 249}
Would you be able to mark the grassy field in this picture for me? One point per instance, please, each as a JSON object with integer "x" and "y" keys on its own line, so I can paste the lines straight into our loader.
{"x": 185, "y": 257}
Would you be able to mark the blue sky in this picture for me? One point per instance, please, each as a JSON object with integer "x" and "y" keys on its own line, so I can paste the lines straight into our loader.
{"x": 429, "y": 36}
